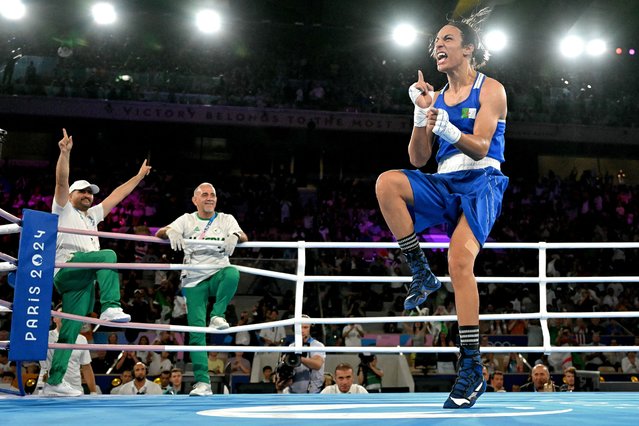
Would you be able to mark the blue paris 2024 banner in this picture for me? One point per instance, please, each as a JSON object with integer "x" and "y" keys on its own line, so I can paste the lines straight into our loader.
{"x": 33, "y": 287}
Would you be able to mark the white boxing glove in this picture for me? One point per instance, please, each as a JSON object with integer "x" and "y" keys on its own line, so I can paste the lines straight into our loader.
{"x": 445, "y": 129}
{"x": 228, "y": 246}
{"x": 177, "y": 240}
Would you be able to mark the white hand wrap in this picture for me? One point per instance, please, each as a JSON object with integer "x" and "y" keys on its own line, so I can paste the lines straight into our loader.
{"x": 414, "y": 93}
{"x": 228, "y": 246}
{"x": 444, "y": 129}
{"x": 177, "y": 241}
{"x": 419, "y": 117}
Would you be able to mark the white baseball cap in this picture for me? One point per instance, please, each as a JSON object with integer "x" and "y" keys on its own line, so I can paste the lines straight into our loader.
{"x": 83, "y": 184}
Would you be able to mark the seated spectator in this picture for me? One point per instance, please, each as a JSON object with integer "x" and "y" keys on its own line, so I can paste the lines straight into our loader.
{"x": 267, "y": 374}
{"x": 272, "y": 336}
{"x": 489, "y": 387}
{"x": 352, "y": 334}
{"x": 8, "y": 377}
{"x": 100, "y": 363}
{"x": 629, "y": 364}
{"x": 614, "y": 358}
{"x": 569, "y": 380}
{"x": 516, "y": 326}
{"x": 125, "y": 377}
{"x": 329, "y": 380}
{"x": 140, "y": 385}
{"x": 497, "y": 381}
{"x": 491, "y": 362}
{"x": 126, "y": 362}
{"x": 160, "y": 362}
{"x": 216, "y": 365}
{"x": 176, "y": 387}
{"x": 144, "y": 355}
{"x": 112, "y": 356}
{"x": 539, "y": 381}
{"x": 594, "y": 360}
{"x": 165, "y": 380}
{"x": 344, "y": 381}
{"x": 243, "y": 338}
{"x": 514, "y": 363}
{"x": 4, "y": 360}
{"x": 238, "y": 365}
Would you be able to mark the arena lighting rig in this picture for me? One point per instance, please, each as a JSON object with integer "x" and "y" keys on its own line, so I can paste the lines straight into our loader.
{"x": 209, "y": 21}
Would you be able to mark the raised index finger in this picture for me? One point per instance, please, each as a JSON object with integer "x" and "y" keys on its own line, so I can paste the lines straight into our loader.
{"x": 420, "y": 76}
{"x": 64, "y": 132}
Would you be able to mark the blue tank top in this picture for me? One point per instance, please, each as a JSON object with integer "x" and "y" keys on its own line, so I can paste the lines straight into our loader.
{"x": 463, "y": 116}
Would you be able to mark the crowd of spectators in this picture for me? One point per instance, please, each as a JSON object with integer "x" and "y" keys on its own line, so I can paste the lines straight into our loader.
{"x": 275, "y": 70}
{"x": 580, "y": 208}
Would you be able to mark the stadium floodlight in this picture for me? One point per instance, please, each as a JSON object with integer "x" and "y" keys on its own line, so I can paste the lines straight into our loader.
{"x": 12, "y": 9}
{"x": 208, "y": 21}
{"x": 495, "y": 40}
{"x": 596, "y": 47}
{"x": 404, "y": 34}
{"x": 104, "y": 13}
{"x": 571, "y": 46}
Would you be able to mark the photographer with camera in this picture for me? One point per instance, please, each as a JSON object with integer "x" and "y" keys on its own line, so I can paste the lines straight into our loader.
{"x": 301, "y": 373}
{"x": 368, "y": 374}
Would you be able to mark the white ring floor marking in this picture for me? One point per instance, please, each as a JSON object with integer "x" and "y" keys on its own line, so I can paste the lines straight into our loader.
{"x": 344, "y": 411}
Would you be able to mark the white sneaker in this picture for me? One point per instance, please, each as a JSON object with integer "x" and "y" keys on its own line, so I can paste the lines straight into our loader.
{"x": 115, "y": 315}
{"x": 218, "y": 323}
{"x": 201, "y": 389}
{"x": 62, "y": 389}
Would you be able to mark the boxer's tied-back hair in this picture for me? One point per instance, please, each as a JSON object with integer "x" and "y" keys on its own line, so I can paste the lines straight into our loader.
{"x": 470, "y": 29}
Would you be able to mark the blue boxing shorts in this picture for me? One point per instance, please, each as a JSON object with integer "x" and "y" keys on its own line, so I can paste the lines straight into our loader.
{"x": 442, "y": 197}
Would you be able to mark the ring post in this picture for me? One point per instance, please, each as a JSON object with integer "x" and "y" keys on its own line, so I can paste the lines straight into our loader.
{"x": 33, "y": 287}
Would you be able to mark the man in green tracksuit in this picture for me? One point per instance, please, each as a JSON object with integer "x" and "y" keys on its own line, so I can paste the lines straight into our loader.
{"x": 198, "y": 286}
{"x": 74, "y": 206}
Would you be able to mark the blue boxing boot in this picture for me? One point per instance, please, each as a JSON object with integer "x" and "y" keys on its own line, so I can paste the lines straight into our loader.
{"x": 470, "y": 383}
{"x": 424, "y": 281}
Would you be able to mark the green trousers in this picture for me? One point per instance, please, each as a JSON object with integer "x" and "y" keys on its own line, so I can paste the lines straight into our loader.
{"x": 222, "y": 285}
{"x": 77, "y": 288}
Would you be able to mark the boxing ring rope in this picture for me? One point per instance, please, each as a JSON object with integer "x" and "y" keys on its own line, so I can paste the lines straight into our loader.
{"x": 300, "y": 278}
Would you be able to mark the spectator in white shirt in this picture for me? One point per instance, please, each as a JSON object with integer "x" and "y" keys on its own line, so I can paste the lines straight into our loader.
{"x": 159, "y": 363}
{"x": 272, "y": 336}
{"x": 140, "y": 385}
{"x": 629, "y": 364}
{"x": 352, "y": 334}
{"x": 344, "y": 381}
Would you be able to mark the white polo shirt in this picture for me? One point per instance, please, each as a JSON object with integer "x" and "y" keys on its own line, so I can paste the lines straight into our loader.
{"x": 70, "y": 217}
